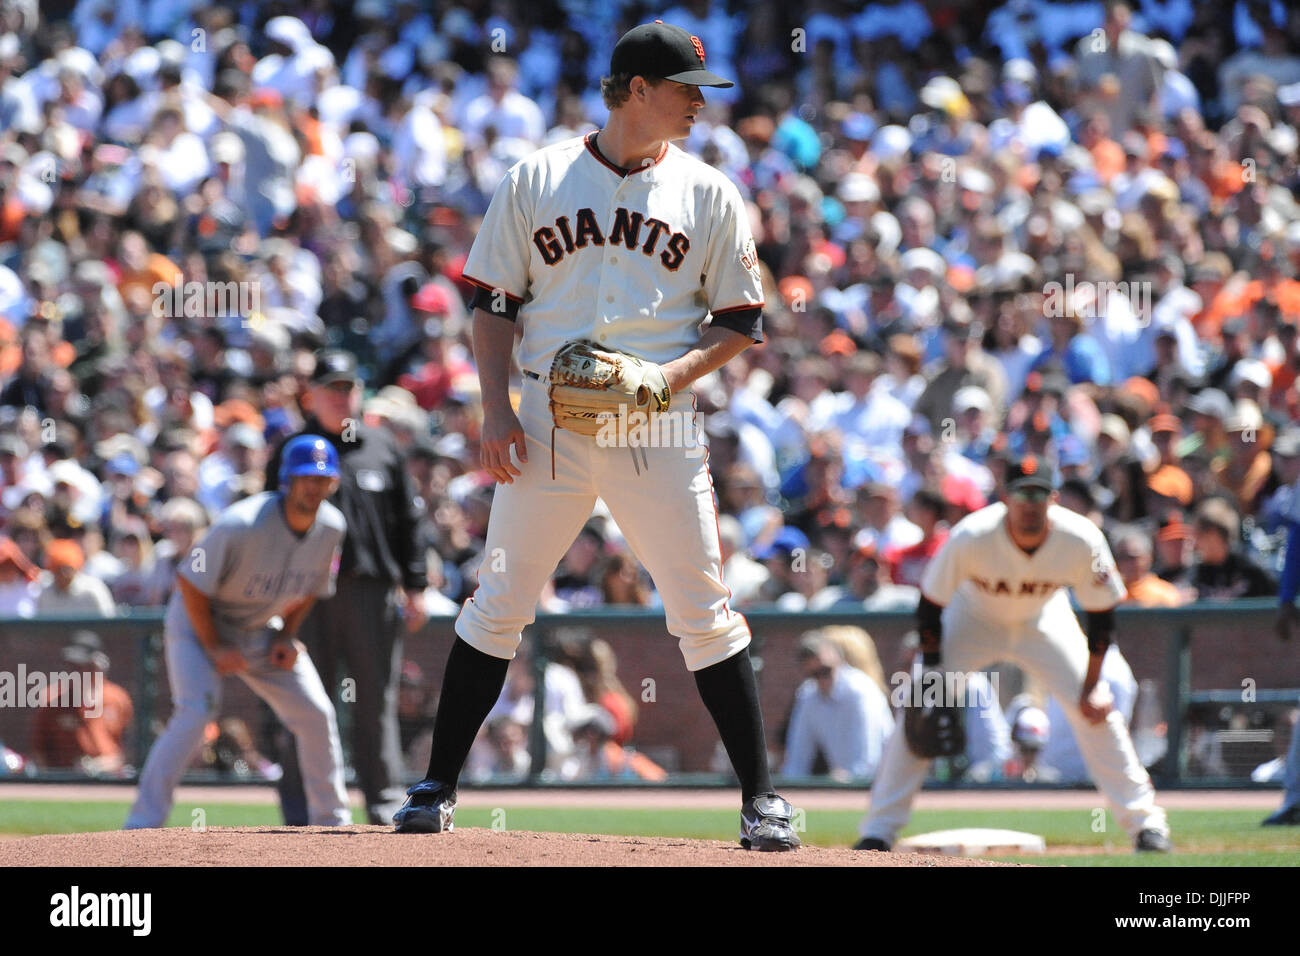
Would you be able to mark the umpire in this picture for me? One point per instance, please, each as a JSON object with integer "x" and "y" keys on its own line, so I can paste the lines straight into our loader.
{"x": 357, "y": 632}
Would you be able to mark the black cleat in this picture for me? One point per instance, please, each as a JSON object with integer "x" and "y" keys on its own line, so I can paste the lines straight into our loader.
{"x": 1286, "y": 817}
{"x": 765, "y": 824}
{"x": 1153, "y": 841}
{"x": 872, "y": 843}
{"x": 429, "y": 808}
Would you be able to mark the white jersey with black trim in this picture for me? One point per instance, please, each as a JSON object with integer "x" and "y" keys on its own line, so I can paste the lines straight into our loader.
{"x": 992, "y": 578}
{"x": 574, "y": 247}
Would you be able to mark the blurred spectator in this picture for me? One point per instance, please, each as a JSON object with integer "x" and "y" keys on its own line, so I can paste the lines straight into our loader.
{"x": 576, "y": 581}
{"x": 597, "y": 755}
{"x": 1120, "y": 65}
{"x": 621, "y": 581}
{"x": 436, "y": 602}
{"x": 840, "y": 714}
{"x": 501, "y": 750}
{"x": 1133, "y": 559}
{"x": 742, "y": 574}
{"x": 19, "y": 587}
{"x": 132, "y": 545}
{"x": 1221, "y": 572}
{"x": 867, "y": 585}
{"x": 82, "y": 724}
{"x": 563, "y": 705}
{"x": 907, "y": 564}
{"x": 503, "y": 110}
{"x": 1030, "y": 730}
{"x": 597, "y": 669}
{"x": 416, "y": 706}
{"x": 883, "y": 523}
{"x": 865, "y": 414}
{"x": 182, "y": 523}
{"x": 857, "y": 649}
{"x": 1175, "y": 552}
{"x": 1169, "y": 480}
{"x": 66, "y": 589}
{"x": 439, "y": 363}
{"x": 964, "y": 364}
{"x": 1248, "y": 467}
{"x": 234, "y": 470}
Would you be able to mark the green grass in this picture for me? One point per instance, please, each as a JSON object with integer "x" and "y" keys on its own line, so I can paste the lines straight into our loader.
{"x": 1202, "y": 837}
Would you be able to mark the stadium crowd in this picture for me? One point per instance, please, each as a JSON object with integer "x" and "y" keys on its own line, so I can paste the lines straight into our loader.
{"x": 1063, "y": 228}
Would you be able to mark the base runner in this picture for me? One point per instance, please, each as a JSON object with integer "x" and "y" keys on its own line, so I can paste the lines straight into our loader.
{"x": 268, "y": 556}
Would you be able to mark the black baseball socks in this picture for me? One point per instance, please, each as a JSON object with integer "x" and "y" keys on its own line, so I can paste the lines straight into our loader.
{"x": 730, "y": 692}
{"x": 470, "y": 687}
{"x": 473, "y": 682}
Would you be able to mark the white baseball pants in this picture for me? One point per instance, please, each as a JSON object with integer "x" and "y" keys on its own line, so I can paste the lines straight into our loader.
{"x": 662, "y": 499}
{"x": 1054, "y": 650}
{"x": 298, "y": 699}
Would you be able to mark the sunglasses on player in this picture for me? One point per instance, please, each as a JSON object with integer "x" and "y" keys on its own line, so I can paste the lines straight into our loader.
{"x": 1031, "y": 494}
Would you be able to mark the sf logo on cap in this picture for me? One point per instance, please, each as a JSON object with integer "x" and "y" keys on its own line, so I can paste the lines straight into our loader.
{"x": 699, "y": 48}
{"x": 1029, "y": 465}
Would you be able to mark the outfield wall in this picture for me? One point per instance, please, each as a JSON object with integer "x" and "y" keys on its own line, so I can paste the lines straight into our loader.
{"x": 1187, "y": 652}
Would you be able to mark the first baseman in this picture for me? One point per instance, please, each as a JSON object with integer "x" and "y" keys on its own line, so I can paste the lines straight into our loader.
{"x": 264, "y": 558}
{"x": 996, "y": 592}
{"x": 608, "y": 252}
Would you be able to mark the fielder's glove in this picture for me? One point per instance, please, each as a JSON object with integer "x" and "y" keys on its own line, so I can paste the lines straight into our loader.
{"x": 935, "y": 731}
{"x": 591, "y": 385}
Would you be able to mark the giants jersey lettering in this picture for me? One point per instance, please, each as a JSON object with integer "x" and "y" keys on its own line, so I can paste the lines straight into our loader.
{"x": 981, "y": 568}
{"x": 633, "y": 261}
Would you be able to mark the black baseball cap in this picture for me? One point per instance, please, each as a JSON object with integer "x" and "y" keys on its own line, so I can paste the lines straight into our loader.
{"x": 334, "y": 365}
{"x": 663, "y": 51}
{"x": 1029, "y": 471}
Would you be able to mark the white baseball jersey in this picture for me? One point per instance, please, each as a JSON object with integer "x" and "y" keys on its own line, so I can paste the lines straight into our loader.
{"x": 1003, "y": 605}
{"x": 575, "y": 247}
{"x": 993, "y": 579}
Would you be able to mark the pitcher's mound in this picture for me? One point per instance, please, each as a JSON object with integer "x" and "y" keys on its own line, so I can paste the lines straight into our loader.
{"x": 380, "y": 846}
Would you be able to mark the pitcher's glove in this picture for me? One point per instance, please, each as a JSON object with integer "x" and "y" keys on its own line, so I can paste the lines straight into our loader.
{"x": 591, "y": 385}
{"x": 936, "y": 731}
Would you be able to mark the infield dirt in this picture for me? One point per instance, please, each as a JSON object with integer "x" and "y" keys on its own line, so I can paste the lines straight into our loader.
{"x": 380, "y": 846}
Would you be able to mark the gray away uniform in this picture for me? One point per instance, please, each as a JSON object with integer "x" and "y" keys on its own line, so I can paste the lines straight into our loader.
{"x": 253, "y": 568}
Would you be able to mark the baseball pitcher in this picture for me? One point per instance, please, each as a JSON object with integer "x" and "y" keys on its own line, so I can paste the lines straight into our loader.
{"x": 608, "y": 252}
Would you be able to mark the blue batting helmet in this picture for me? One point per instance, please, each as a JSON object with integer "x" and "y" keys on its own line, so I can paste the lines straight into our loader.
{"x": 308, "y": 455}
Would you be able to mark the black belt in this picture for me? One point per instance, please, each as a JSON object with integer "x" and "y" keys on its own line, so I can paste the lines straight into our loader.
{"x": 534, "y": 375}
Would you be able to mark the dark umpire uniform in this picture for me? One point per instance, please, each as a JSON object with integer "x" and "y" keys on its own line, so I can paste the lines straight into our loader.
{"x": 358, "y": 632}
